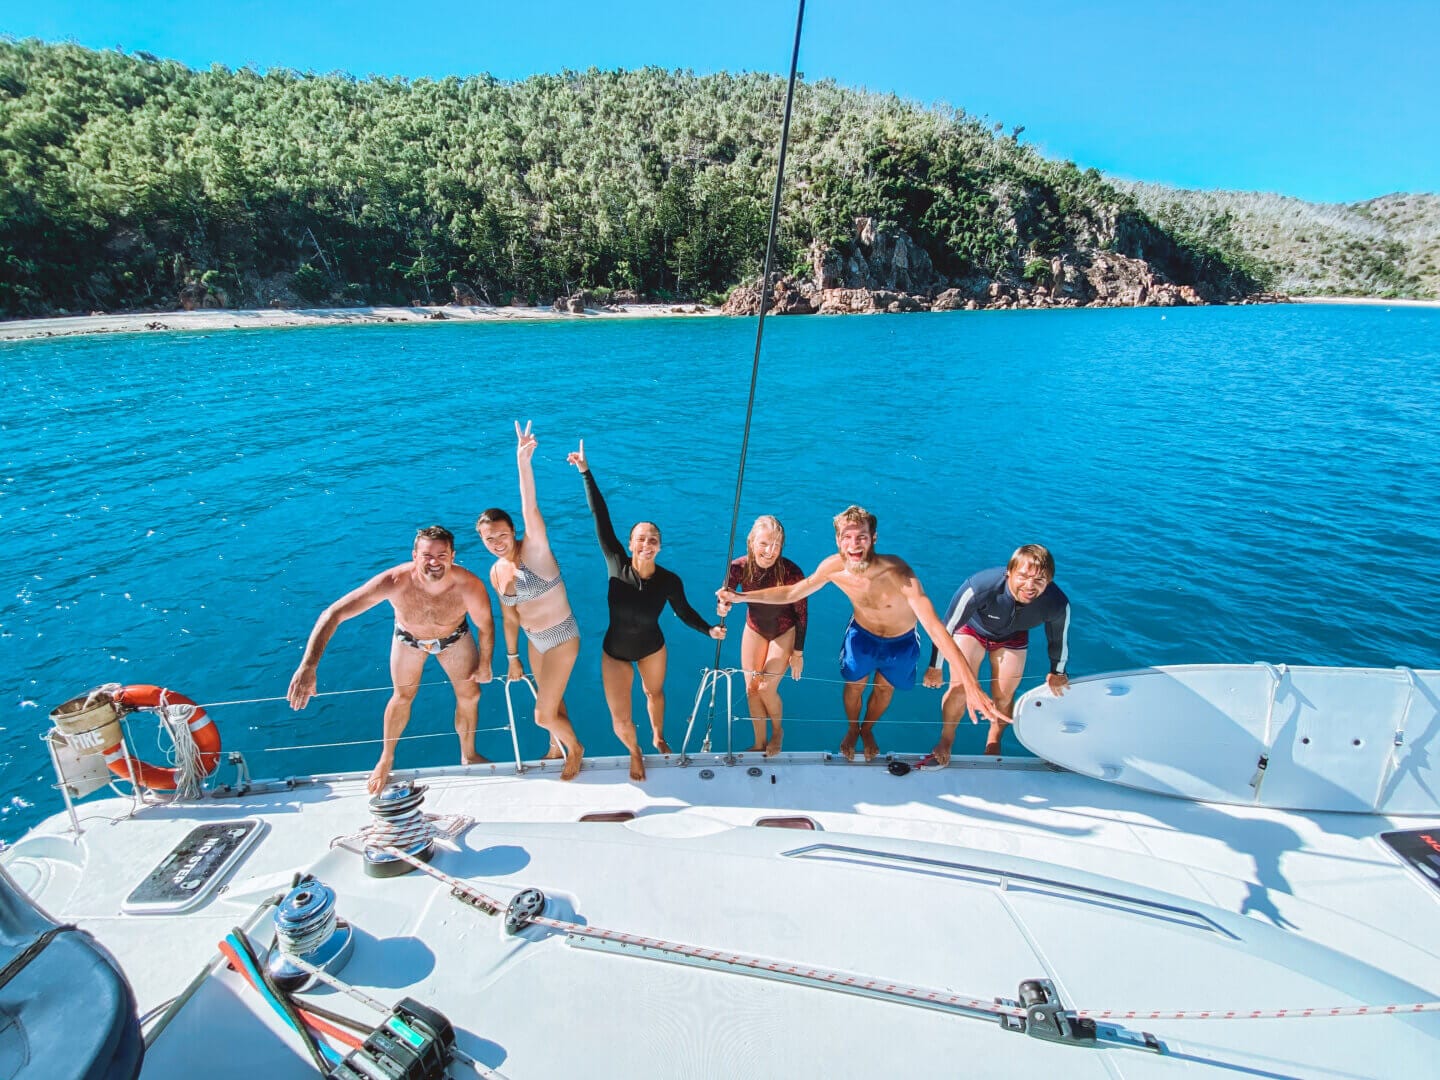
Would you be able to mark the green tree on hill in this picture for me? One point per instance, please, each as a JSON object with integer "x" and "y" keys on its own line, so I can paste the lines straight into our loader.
{"x": 125, "y": 179}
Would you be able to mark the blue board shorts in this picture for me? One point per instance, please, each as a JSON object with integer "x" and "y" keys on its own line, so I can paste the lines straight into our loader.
{"x": 896, "y": 658}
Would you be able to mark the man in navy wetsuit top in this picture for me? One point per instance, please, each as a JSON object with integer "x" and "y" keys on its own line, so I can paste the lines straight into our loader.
{"x": 881, "y": 645}
{"x": 992, "y": 615}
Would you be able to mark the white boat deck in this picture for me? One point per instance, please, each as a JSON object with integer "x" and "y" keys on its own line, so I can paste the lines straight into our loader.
{"x": 966, "y": 880}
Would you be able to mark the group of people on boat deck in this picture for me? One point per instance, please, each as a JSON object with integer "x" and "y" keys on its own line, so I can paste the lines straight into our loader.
{"x": 435, "y": 601}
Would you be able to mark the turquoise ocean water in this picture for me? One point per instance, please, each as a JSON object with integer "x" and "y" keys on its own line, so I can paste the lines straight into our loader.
{"x": 1217, "y": 484}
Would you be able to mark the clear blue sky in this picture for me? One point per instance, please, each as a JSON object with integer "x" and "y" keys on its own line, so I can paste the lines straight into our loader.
{"x": 1328, "y": 101}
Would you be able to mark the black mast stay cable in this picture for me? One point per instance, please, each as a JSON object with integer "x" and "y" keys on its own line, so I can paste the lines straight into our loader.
{"x": 759, "y": 330}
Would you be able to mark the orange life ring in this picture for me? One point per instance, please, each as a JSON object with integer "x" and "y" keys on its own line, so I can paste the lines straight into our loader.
{"x": 158, "y": 777}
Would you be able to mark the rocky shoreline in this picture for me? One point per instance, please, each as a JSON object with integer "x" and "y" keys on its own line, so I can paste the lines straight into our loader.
{"x": 886, "y": 271}
{"x": 878, "y": 271}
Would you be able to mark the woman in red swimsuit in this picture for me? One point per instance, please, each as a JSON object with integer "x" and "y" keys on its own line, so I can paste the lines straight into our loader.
{"x": 774, "y": 633}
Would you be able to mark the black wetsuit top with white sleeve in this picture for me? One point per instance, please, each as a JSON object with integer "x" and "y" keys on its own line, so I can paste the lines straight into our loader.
{"x": 635, "y": 602}
{"x": 985, "y": 604}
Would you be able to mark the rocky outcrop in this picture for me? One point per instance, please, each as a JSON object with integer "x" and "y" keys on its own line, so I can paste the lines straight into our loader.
{"x": 794, "y": 299}
{"x": 879, "y": 270}
{"x": 869, "y": 301}
{"x": 953, "y": 300}
{"x": 847, "y": 302}
{"x": 886, "y": 271}
{"x": 467, "y": 296}
{"x": 875, "y": 259}
{"x": 574, "y": 304}
{"x": 196, "y": 295}
{"x": 1106, "y": 280}
{"x": 788, "y": 297}
{"x": 743, "y": 300}
{"x": 1114, "y": 280}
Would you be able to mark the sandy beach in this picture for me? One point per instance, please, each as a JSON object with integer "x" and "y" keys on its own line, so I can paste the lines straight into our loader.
{"x": 220, "y": 319}
{"x": 1374, "y": 301}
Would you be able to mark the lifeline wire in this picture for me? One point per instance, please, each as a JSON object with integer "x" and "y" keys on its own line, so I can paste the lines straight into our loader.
{"x": 371, "y": 742}
{"x": 323, "y": 693}
{"x": 760, "y": 326}
{"x": 890, "y": 721}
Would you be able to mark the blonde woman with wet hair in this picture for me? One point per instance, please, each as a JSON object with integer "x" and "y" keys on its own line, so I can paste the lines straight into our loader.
{"x": 774, "y": 634}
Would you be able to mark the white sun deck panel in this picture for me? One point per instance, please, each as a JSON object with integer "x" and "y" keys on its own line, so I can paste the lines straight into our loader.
{"x": 928, "y": 916}
{"x": 1357, "y": 740}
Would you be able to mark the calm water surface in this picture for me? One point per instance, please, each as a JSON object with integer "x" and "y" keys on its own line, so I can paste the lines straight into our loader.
{"x": 1217, "y": 484}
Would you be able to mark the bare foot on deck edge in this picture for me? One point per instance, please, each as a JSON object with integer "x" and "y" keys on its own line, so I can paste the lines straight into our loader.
{"x": 475, "y": 759}
{"x": 637, "y": 767}
{"x": 872, "y": 748}
{"x": 847, "y": 745}
{"x": 553, "y": 754}
{"x": 773, "y": 746}
{"x": 661, "y": 746}
{"x": 572, "y": 762}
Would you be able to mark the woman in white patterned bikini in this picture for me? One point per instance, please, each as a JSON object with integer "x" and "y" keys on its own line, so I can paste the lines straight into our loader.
{"x": 526, "y": 578}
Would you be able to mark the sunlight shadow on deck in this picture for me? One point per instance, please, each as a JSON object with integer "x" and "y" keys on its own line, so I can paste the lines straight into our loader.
{"x": 501, "y": 860}
{"x": 390, "y": 961}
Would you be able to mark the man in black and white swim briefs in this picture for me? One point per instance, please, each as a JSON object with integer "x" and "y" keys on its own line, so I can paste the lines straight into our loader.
{"x": 432, "y": 598}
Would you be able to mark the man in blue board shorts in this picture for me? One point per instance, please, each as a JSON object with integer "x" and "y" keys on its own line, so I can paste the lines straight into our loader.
{"x": 992, "y": 615}
{"x": 895, "y": 659}
{"x": 881, "y": 647}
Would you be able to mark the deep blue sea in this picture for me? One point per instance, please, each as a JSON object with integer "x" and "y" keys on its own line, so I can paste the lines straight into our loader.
{"x": 1217, "y": 484}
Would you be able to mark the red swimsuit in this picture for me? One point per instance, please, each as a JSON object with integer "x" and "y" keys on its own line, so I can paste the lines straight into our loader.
{"x": 771, "y": 620}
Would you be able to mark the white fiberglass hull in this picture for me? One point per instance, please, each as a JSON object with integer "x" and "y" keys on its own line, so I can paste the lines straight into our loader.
{"x": 963, "y": 881}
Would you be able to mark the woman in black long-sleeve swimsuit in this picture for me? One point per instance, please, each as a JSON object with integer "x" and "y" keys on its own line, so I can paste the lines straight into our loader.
{"x": 639, "y": 591}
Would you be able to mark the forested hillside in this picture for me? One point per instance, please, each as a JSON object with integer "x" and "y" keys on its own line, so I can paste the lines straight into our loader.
{"x": 131, "y": 182}
{"x": 1386, "y": 247}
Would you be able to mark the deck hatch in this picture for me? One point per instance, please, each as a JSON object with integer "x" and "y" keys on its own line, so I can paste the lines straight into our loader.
{"x": 1418, "y": 849}
{"x": 193, "y": 869}
{"x": 1011, "y": 882}
{"x": 794, "y": 821}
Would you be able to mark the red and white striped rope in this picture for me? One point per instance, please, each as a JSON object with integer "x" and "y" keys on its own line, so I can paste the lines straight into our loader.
{"x": 1257, "y": 1014}
{"x": 780, "y": 967}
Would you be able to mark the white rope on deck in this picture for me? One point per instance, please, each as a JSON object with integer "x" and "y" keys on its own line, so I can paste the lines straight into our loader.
{"x": 183, "y": 754}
